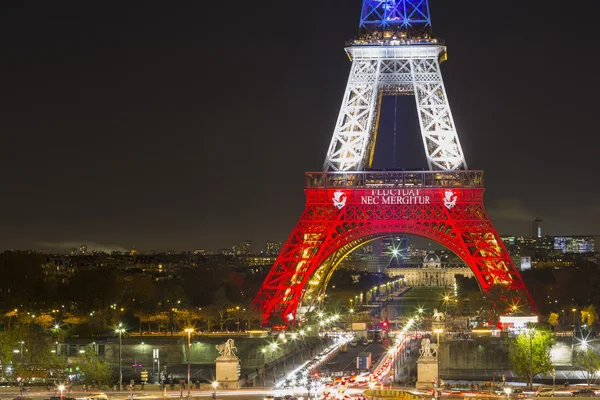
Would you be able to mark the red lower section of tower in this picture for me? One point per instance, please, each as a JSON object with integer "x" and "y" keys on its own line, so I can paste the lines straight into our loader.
{"x": 343, "y": 210}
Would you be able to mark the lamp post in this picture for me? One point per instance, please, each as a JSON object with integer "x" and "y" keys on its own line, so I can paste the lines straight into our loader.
{"x": 507, "y": 390}
{"x": 294, "y": 336}
{"x": 214, "y": 385}
{"x": 61, "y": 388}
{"x": 273, "y": 349}
{"x": 237, "y": 309}
{"x": 120, "y": 330}
{"x": 574, "y": 323}
{"x": 189, "y": 335}
{"x": 530, "y": 333}
{"x": 438, "y": 331}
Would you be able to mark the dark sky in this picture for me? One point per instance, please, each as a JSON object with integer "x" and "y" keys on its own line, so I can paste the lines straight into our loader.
{"x": 190, "y": 124}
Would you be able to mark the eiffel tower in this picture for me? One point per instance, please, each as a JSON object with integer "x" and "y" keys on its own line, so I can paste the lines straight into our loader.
{"x": 348, "y": 205}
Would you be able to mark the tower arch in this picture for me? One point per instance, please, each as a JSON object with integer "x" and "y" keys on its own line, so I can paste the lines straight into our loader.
{"x": 344, "y": 210}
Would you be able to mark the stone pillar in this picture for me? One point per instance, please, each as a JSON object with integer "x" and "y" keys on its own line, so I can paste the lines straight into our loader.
{"x": 427, "y": 372}
{"x": 227, "y": 372}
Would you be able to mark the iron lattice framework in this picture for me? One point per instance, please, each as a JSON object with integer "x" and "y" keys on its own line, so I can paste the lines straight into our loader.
{"x": 347, "y": 207}
{"x": 345, "y": 210}
{"x": 400, "y": 16}
{"x": 394, "y": 55}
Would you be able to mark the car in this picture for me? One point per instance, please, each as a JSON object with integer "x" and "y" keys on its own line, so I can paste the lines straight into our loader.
{"x": 544, "y": 392}
{"x": 354, "y": 343}
{"x": 583, "y": 392}
{"x": 369, "y": 340}
{"x": 97, "y": 396}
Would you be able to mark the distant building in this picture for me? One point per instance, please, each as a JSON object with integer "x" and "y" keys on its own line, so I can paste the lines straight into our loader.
{"x": 272, "y": 248}
{"x": 244, "y": 248}
{"x": 538, "y": 228}
{"x": 259, "y": 261}
{"x": 83, "y": 249}
{"x": 431, "y": 272}
{"x": 574, "y": 244}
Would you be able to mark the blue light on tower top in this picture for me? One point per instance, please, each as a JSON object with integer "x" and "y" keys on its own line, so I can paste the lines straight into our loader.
{"x": 406, "y": 18}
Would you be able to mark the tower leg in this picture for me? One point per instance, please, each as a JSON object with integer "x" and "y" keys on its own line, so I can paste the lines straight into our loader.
{"x": 353, "y": 136}
{"x": 440, "y": 139}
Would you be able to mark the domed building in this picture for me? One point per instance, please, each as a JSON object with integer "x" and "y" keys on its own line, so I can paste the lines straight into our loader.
{"x": 430, "y": 273}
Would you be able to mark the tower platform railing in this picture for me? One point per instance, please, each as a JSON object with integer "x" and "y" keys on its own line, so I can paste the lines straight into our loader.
{"x": 395, "y": 42}
{"x": 394, "y": 179}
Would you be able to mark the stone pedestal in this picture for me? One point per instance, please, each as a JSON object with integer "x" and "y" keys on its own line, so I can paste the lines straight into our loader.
{"x": 227, "y": 372}
{"x": 435, "y": 325}
{"x": 427, "y": 372}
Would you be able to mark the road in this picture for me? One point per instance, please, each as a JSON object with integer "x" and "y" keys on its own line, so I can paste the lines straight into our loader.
{"x": 347, "y": 361}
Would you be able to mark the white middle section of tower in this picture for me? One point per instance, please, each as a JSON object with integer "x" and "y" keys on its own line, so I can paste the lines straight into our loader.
{"x": 388, "y": 70}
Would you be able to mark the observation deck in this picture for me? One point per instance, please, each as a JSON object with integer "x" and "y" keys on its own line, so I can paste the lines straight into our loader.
{"x": 394, "y": 179}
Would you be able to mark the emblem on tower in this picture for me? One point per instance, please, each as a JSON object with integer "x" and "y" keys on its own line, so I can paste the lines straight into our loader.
{"x": 450, "y": 199}
{"x": 339, "y": 199}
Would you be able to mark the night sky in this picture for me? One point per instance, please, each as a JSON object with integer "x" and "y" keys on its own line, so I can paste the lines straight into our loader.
{"x": 187, "y": 125}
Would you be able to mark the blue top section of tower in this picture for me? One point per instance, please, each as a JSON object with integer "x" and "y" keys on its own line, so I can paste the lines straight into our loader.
{"x": 410, "y": 17}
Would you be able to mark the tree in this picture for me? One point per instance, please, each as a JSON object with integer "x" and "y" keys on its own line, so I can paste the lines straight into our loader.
{"x": 529, "y": 353}
{"x": 93, "y": 370}
{"x": 73, "y": 319}
{"x": 252, "y": 316}
{"x": 143, "y": 317}
{"x": 44, "y": 321}
{"x": 222, "y": 306}
{"x": 186, "y": 318}
{"x": 11, "y": 314}
{"x": 161, "y": 319}
{"x": 588, "y": 361}
{"x": 553, "y": 319}
{"x": 589, "y": 315}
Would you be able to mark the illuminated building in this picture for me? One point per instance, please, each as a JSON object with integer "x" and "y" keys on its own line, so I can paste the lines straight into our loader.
{"x": 272, "y": 248}
{"x": 538, "y": 228}
{"x": 430, "y": 273}
{"x": 574, "y": 244}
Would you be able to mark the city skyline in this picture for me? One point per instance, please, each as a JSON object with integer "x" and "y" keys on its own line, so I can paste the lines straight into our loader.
{"x": 148, "y": 129}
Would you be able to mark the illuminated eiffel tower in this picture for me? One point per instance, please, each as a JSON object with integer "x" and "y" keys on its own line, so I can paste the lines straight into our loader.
{"x": 348, "y": 206}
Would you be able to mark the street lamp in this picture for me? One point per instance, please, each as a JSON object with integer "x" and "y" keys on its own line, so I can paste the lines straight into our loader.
{"x": 120, "y": 330}
{"x": 237, "y": 309}
{"x": 189, "y": 335}
{"x": 273, "y": 350}
{"x": 61, "y": 388}
{"x": 214, "y": 385}
{"x": 507, "y": 390}
{"x": 438, "y": 331}
{"x": 530, "y": 333}
{"x": 574, "y": 323}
